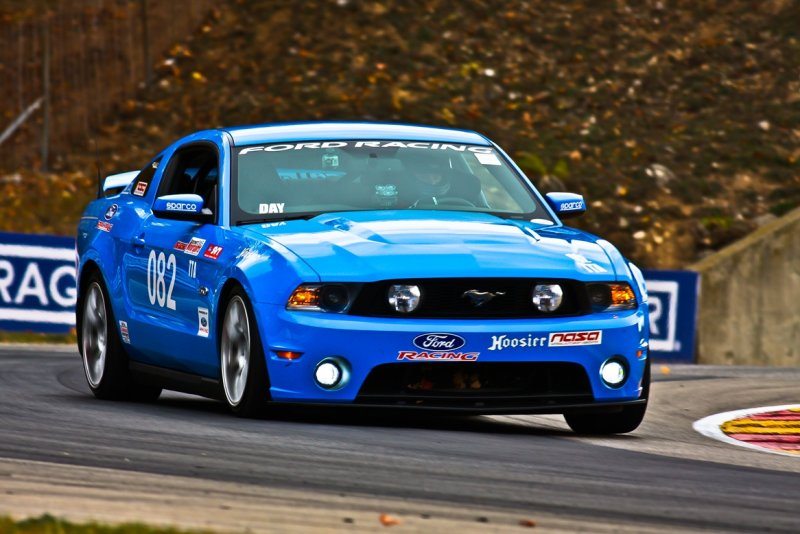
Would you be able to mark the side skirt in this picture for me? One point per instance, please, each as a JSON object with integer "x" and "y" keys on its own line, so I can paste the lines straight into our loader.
{"x": 175, "y": 380}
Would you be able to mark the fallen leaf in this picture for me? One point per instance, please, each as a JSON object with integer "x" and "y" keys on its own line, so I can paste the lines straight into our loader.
{"x": 529, "y": 523}
{"x": 388, "y": 520}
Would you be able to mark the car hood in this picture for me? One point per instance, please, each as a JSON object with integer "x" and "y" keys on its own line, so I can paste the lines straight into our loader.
{"x": 382, "y": 245}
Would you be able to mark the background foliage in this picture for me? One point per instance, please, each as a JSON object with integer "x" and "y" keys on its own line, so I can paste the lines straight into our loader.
{"x": 678, "y": 119}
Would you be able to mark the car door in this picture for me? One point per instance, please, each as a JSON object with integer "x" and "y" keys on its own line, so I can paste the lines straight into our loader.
{"x": 172, "y": 305}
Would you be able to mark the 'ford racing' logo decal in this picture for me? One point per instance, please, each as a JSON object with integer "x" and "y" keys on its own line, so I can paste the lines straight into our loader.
{"x": 439, "y": 342}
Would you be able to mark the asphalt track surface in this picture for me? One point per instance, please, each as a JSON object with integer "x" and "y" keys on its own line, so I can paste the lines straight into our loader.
{"x": 663, "y": 476}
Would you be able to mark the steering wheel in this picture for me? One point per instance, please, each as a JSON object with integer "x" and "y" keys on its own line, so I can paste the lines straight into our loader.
{"x": 440, "y": 201}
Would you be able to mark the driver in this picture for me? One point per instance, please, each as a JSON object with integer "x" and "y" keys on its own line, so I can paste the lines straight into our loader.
{"x": 430, "y": 176}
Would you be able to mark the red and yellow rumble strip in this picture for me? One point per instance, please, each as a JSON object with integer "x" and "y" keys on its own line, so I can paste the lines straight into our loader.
{"x": 776, "y": 430}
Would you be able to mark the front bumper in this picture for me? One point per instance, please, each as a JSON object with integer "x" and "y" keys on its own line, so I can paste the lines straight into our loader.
{"x": 365, "y": 343}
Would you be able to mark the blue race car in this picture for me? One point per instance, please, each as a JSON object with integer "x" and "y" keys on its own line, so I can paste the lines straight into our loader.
{"x": 360, "y": 264}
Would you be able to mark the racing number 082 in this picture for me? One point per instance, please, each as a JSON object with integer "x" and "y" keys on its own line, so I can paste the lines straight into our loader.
{"x": 157, "y": 291}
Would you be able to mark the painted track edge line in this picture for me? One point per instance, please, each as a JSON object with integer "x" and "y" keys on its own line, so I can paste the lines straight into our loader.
{"x": 40, "y": 347}
{"x": 710, "y": 426}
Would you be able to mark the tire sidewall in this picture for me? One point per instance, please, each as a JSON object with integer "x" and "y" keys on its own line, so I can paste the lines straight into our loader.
{"x": 256, "y": 394}
{"x": 115, "y": 362}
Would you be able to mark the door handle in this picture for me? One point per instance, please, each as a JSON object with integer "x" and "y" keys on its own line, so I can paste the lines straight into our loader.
{"x": 138, "y": 241}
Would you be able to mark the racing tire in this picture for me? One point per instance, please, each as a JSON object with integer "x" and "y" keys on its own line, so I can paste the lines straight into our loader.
{"x": 626, "y": 420}
{"x": 243, "y": 368}
{"x": 105, "y": 363}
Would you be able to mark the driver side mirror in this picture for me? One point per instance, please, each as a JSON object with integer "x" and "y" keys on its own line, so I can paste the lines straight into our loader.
{"x": 184, "y": 207}
{"x": 566, "y": 205}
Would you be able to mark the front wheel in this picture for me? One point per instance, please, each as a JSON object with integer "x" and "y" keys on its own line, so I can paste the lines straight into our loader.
{"x": 242, "y": 365}
{"x": 626, "y": 420}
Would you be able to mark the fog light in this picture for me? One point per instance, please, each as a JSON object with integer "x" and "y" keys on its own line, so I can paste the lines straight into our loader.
{"x": 613, "y": 373}
{"x": 328, "y": 374}
{"x": 332, "y": 373}
{"x": 404, "y": 298}
{"x": 547, "y": 297}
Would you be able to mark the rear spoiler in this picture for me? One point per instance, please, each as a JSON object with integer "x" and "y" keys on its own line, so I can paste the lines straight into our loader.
{"x": 115, "y": 183}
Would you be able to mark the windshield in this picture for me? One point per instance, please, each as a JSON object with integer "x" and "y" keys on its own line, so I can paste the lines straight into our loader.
{"x": 277, "y": 181}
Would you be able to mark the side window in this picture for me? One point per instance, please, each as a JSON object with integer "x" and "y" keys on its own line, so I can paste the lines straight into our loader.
{"x": 194, "y": 169}
{"x": 141, "y": 183}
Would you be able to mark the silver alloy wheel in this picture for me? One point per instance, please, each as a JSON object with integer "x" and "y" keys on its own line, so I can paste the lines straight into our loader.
{"x": 235, "y": 350}
{"x": 94, "y": 335}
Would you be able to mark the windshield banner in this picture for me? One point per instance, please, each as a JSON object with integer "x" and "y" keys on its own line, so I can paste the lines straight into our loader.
{"x": 366, "y": 144}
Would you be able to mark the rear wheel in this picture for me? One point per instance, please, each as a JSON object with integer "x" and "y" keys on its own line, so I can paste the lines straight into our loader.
{"x": 626, "y": 420}
{"x": 105, "y": 363}
{"x": 243, "y": 368}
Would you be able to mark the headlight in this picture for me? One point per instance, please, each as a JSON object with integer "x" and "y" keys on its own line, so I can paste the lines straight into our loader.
{"x": 404, "y": 298}
{"x": 334, "y": 298}
{"x": 611, "y": 297}
{"x": 547, "y": 297}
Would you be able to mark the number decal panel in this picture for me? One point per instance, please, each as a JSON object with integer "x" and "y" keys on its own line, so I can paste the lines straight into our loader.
{"x": 158, "y": 267}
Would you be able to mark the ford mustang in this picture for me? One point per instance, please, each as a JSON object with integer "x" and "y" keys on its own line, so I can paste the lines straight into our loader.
{"x": 361, "y": 264}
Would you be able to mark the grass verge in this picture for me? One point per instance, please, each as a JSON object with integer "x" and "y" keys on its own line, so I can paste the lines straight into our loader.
{"x": 47, "y": 524}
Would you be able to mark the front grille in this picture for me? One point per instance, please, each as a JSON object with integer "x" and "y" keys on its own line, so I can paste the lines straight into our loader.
{"x": 445, "y": 298}
{"x": 471, "y": 384}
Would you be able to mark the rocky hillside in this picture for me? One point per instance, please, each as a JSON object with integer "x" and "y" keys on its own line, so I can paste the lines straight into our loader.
{"x": 678, "y": 119}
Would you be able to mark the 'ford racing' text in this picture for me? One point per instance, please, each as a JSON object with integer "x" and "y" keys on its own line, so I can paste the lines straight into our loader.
{"x": 367, "y": 144}
{"x": 438, "y": 356}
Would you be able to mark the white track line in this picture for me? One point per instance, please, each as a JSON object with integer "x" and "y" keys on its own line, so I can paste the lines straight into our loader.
{"x": 710, "y": 426}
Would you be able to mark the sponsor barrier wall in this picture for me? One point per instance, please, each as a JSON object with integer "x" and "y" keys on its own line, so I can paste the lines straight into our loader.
{"x": 673, "y": 297}
{"x": 37, "y": 283}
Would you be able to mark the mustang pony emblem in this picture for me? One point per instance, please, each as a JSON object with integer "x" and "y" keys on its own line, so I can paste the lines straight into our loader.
{"x": 479, "y": 298}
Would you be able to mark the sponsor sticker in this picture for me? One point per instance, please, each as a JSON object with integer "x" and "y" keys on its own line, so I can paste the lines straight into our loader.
{"x": 123, "y": 332}
{"x": 180, "y": 246}
{"x": 517, "y": 342}
{"x": 111, "y": 211}
{"x": 330, "y": 161}
{"x": 439, "y": 342}
{"x": 571, "y": 206}
{"x": 202, "y": 322}
{"x": 438, "y": 356}
{"x": 291, "y": 175}
{"x": 272, "y": 207}
{"x": 192, "y": 269}
{"x": 571, "y": 339}
{"x": 140, "y": 189}
{"x": 181, "y": 206}
{"x": 194, "y": 246}
{"x": 487, "y": 159}
{"x": 104, "y": 226}
{"x": 438, "y": 346}
{"x": 212, "y": 252}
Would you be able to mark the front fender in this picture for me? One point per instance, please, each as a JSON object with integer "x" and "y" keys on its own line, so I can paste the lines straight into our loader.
{"x": 267, "y": 271}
